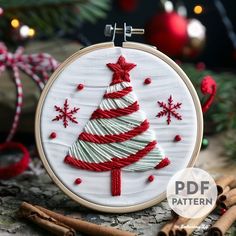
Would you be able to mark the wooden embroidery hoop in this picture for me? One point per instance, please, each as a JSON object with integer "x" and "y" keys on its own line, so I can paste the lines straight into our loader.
{"x": 130, "y": 45}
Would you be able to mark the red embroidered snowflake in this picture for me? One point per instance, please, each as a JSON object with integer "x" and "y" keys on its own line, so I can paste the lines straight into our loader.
{"x": 169, "y": 110}
{"x": 65, "y": 114}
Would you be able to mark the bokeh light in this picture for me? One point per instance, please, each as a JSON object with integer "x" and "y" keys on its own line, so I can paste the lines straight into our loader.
{"x": 15, "y": 23}
{"x": 31, "y": 32}
{"x": 198, "y": 9}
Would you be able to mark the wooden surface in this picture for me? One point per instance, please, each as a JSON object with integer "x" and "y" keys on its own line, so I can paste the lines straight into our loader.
{"x": 35, "y": 187}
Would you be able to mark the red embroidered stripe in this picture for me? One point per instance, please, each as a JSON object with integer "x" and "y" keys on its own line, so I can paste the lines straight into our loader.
{"x": 118, "y": 94}
{"x": 98, "y": 114}
{"x": 163, "y": 163}
{"x": 116, "y": 182}
{"x": 115, "y": 163}
{"x": 115, "y": 138}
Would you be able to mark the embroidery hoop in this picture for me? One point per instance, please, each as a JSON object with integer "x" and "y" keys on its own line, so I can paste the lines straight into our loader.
{"x": 81, "y": 53}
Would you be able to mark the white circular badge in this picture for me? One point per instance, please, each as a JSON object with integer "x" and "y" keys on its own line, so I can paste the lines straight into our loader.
{"x": 192, "y": 193}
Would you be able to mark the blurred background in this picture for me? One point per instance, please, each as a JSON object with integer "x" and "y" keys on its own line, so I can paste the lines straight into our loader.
{"x": 37, "y": 35}
{"x": 199, "y": 35}
{"x": 210, "y": 23}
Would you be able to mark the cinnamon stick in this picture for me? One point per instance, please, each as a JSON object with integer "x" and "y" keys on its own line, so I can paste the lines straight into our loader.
{"x": 233, "y": 184}
{"x": 165, "y": 230}
{"x": 191, "y": 225}
{"x": 228, "y": 202}
{"x": 223, "y": 181}
{"x": 179, "y": 224}
{"x": 223, "y": 224}
{"x": 222, "y": 197}
{"x": 185, "y": 226}
{"x": 228, "y": 195}
{"x": 84, "y": 226}
{"x": 178, "y": 228}
{"x": 45, "y": 221}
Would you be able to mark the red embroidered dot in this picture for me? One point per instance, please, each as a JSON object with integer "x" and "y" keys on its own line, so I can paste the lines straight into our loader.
{"x": 177, "y": 138}
{"x": 151, "y": 178}
{"x": 53, "y": 135}
{"x": 80, "y": 86}
{"x": 148, "y": 81}
{"x": 222, "y": 211}
{"x": 78, "y": 181}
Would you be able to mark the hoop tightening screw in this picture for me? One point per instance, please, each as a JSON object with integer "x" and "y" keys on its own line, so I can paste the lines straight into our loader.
{"x": 109, "y": 31}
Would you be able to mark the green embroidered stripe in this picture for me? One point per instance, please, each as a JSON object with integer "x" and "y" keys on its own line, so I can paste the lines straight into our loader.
{"x": 108, "y": 103}
{"x": 146, "y": 163}
{"x": 117, "y": 125}
{"x": 92, "y": 152}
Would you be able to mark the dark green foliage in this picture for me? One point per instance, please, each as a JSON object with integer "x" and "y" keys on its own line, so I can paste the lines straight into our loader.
{"x": 50, "y": 17}
{"x": 222, "y": 114}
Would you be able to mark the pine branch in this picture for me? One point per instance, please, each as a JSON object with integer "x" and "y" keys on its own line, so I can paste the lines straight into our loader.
{"x": 222, "y": 114}
{"x": 22, "y": 4}
{"x": 51, "y": 17}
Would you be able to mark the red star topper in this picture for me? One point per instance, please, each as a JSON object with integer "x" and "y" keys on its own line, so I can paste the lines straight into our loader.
{"x": 121, "y": 70}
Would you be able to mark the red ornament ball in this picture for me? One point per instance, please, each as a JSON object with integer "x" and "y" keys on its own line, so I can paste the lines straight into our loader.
{"x": 78, "y": 181}
{"x": 177, "y": 138}
{"x": 148, "y": 81}
{"x": 168, "y": 32}
{"x": 80, "y": 86}
{"x": 53, "y": 135}
{"x": 127, "y": 5}
{"x": 151, "y": 178}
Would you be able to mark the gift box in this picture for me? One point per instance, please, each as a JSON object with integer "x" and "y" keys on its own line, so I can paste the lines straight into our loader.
{"x": 58, "y": 49}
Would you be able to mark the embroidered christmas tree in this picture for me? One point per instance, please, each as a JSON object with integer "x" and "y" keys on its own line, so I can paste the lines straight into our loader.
{"x": 118, "y": 135}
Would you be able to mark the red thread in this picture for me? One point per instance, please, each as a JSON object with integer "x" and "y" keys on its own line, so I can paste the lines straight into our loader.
{"x": 98, "y": 114}
{"x": 118, "y": 94}
{"x": 112, "y": 138}
{"x": 17, "y": 168}
{"x": 80, "y": 86}
{"x": 78, "y": 181}
{"x": 65, "y": 114}
{"x": 121, "y": 70}
{"x": 163, "y": 163}
{"x": 208, "y": 86}
{"x": 148, "y": 81}
{"x": 151, "y": 178}
{"x": 53, "y": 135}
{"x": 115, "y": 163}
{"x": 116, "y": 182}
{"x": 169, "y": 110}
{"x": 177, "y": 138}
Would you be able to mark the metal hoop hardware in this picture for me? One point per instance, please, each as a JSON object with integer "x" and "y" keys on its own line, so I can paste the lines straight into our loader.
{"x": 127, "y": 31}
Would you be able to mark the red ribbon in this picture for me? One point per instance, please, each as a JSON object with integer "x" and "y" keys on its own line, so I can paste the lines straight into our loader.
{"x": 16, "y": 168}
{"x": 36, "y": 66}
{"x": 208, "y": 86}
